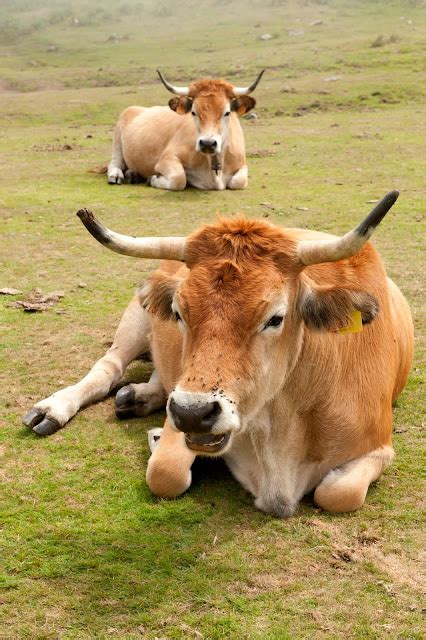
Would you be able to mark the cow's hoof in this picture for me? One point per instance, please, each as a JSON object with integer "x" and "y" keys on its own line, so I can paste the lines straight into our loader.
{"x": 47, "y": 427}
{"x": 40, "y": 424}
{"x": 132, "y": 177}
{"x": 125, "y": 402}
{"x": 33, "y": 417}
{"x": 115, "y": 176}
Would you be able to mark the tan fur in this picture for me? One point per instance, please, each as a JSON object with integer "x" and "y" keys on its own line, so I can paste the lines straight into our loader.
{"x": 158, "y": 141}
{"x": 314, "y": 407}
{"x": 323, "y": 399}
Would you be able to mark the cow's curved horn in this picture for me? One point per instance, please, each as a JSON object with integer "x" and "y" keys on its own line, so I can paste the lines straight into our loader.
{"x": 317, "y": 251}
{"x": 164, "y": 248}
{"x": 179, "y": 91}
{"x": 244, "y": 91}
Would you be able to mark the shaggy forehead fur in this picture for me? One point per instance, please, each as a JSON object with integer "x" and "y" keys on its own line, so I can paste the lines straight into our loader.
{"x": 208, "y": 88}
{"x": 241, "y": 241}
{"x": 236, "y": 265}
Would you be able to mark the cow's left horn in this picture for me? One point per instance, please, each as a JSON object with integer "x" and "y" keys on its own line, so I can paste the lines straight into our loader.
{"x": 244, "y": 91}
{"x": 163, "y": 248}
{"x": 317, "y": 251}
{"x": 179, "y": 91}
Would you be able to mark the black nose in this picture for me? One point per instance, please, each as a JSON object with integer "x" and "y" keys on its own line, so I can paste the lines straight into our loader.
{"x": 208, "y": 144}
{"x": 195, "y": 418}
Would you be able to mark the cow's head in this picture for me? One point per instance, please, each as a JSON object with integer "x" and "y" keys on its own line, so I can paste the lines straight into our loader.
{"x": 211, "y": 104}
{"x": 243, "y": 306}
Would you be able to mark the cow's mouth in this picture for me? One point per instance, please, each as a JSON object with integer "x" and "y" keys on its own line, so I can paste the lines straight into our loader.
{"x": 211, "y": 443}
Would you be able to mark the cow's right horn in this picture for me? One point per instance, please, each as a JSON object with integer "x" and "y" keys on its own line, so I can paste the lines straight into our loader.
{"x": 179, "y": 91}
{"x": 162, "y": 248}
{"x": 318, "y": 251}
{"x": 244, "y": 91}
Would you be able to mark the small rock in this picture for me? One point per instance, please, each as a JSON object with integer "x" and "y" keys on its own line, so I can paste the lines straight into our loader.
{"x": 51, "y": 48}
{"x": 251, "y": 116}
{"x": 296, "y": 32}
{"x": 315, "y": 23}
{"x": 279, "y": 112}
{"x": 82, "y": 285}
{"x": 333, "y": 78}
{"x": 266, "y": 36}
{"x": 302, "y": 208}
{"x": 89, "y": 135}
{"x": 372, "y": 201}
{"x": 9, "y": 291}
{"x": 268, "y": 205}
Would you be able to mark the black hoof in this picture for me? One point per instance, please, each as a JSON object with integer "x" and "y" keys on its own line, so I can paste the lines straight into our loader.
{"x": 132, "y": 177}
{"x": 125, "y": 402}
{"x": 33, "y": 417}
{"x": 47, "y": 427}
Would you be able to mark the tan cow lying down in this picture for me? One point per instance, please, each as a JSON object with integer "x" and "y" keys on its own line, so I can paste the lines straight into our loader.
{"x": 198, "y": 140}
{"x": 242, "y": 321}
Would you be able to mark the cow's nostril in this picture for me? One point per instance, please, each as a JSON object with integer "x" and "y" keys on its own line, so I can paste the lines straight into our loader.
{"x": 196, "y": 418}
{"x": 212, "y": 415}
{"x": 208, "y": 144}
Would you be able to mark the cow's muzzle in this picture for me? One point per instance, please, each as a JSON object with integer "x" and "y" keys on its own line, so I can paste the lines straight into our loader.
{"x": 207, "y": 145}
{"x": 207, "y": 443}
{"x": 198, "y": 418}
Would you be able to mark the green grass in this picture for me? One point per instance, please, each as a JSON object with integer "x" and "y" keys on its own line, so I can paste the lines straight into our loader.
{"x": 87, "y": 551}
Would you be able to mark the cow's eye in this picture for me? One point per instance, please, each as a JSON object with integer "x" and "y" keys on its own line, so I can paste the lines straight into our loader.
{"x": 177, "y": 317}
{"x": 227, "y": 113}
{"x": 275, "y": 321}
{"x": 193, "y": 113}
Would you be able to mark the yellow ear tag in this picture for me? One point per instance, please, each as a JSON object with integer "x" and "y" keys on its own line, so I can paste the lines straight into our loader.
{"x": 355, "y": 325}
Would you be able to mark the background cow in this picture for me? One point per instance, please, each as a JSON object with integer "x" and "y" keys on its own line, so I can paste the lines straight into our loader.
{"x": 198, "y": 140}
{"x": 246, "y": 345}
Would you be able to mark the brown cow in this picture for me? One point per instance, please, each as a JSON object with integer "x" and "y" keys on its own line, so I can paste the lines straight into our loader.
{"x": 247, "y": 345}
{"x": 198, "y": 140}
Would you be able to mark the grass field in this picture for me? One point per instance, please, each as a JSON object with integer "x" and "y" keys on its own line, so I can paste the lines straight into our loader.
{"x": 87, "y": 551}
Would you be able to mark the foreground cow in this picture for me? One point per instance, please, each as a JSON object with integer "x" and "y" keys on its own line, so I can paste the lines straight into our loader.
{"x": 198, "y": 140}
{"x": 244, "y": 337}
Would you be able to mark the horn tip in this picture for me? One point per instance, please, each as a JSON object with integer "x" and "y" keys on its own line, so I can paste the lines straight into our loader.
{"x": 375, "y": 217}
{"x": 85, "y": 215}
{"x": 93, "y": 226}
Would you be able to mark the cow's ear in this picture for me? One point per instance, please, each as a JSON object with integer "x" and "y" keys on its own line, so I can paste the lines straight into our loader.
{"x": 180, "y": 104}
{"x": 156, "y": 294}
{"x": 331, "y": 308}
{"x": 242, "y": 105}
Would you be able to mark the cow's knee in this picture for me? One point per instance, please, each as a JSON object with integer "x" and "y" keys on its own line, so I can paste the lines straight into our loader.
{"x": 171, "y": 183}
{"x": 239, "y": 180}
{"x": 340, "y": 497}
{"x": 166, "y": 479}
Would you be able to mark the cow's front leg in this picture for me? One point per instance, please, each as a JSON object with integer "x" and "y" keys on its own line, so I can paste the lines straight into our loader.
{"x": 345, "y": 488}
{"x": 169, "y": 174}
{"x": 239, "y": 180}
{"x": 117, "y": 165}
{"x": 131, "y": 339}
{"x": 168, "y": 474}
{"x": 140, "y": 399}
